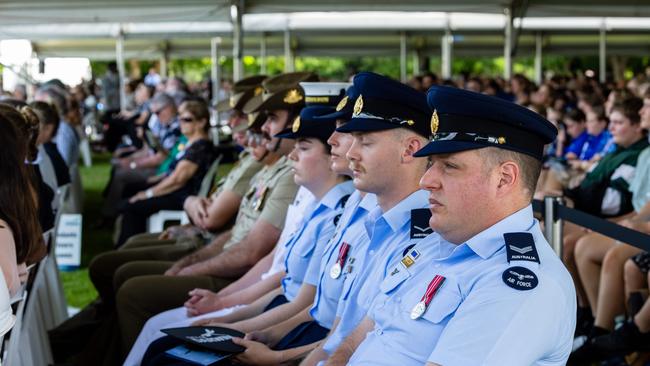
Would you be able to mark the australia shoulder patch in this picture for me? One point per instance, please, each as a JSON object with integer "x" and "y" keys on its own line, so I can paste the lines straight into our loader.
{"x": 521, "y": 247}
{"x": 520, "y": 278}
{"x": 420, "y": 223}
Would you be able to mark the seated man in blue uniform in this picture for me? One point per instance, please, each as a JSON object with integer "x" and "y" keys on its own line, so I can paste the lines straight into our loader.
{"x": 486, "y": 288}
{"x": 388, "y": 123}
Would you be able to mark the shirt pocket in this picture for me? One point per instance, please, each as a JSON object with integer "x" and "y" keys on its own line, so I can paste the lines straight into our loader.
{"x": 396, "y": 275}
{"x": 443, "y": 304}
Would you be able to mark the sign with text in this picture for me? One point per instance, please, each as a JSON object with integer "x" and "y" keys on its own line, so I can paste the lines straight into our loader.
{"x": 68, "y": 241}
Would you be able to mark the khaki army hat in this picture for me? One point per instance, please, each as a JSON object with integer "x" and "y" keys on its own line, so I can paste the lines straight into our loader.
{"x": 281, "y": 92}
{"x": 242, "y": 92}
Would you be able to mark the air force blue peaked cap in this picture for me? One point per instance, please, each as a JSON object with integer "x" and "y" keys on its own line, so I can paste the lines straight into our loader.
{"x": 384, "y": 104}
{"x": 345, "y": 106}
{"x": 464, "y": 120}
{"x": 311, "y": 124}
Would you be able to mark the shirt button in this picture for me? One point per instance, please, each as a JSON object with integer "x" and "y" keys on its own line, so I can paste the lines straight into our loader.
{"x": 379, "y": 332}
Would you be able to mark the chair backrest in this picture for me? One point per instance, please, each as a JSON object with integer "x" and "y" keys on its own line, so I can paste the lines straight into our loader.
{"x": 208, "y": 179}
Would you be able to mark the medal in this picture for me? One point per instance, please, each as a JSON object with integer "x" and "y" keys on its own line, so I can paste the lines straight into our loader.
{"x": 421, "y": 307}
{"x": 418, "y": 310}
{"x": 335, "y": 271}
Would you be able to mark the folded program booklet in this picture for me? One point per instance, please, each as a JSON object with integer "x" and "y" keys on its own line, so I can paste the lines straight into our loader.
{"x": 211, "y": 338}
{"x": 196, "y": 356}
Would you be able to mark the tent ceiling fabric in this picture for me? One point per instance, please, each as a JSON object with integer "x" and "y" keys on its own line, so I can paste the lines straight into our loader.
{"x": 87, "y": 28}
{"x": 118, "y": 11}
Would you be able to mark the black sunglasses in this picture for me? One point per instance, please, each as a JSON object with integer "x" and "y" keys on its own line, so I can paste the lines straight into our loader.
{"x": 187, "y": 119}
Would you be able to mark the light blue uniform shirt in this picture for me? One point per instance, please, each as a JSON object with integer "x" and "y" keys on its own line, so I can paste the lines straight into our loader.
{"x": 349, "y": 230}
{"x": 67, "y": 142}
{"x": 474, "y": 318}
{"x": 387, "y": 232}
{"x": 305, "y": 248}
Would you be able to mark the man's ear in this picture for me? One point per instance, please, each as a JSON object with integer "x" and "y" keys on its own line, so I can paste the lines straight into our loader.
{"x": 509, "y": 176}
{"x": 411, "y": 145}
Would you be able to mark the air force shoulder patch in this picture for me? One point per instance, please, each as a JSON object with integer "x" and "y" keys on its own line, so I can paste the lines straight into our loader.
{"x": 420, "y": 223}
{"x": 521, "y": 247}
{"x": 520, "y": 278}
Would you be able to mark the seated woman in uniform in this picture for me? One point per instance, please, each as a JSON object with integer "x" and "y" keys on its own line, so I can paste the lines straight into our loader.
{"x": 20, "y": 233}
{"x": 303, "y": 250}
{"x": 187, "y": 172}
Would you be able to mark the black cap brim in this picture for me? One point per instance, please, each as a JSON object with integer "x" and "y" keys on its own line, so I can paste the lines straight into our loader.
{"x": 342, "y": 114}
{"x": 366, "y": 125}
{"x": 447, "y": 147}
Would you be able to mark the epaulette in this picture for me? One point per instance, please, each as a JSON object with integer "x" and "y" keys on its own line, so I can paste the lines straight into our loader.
{"x": 520, "y": 247}
{"x": 420, "y": 223}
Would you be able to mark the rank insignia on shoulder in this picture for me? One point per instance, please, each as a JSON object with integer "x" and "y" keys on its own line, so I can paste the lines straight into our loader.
{"x": 520, "y": 278}
{"x": 420, "y": 223}
{"x": 521, "y": 247}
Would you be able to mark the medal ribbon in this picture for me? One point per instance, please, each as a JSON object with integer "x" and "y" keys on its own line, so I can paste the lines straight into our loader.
{"x": 343, "y": 253}
{"x": 433, "y": 287}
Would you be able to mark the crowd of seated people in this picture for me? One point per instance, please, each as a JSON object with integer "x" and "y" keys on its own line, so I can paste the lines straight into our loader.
{"x": 237, "y": 258}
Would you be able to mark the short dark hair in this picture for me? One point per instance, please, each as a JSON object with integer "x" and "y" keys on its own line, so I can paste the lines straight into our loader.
{"x": 199, "y": 109}
{"x": 576, "y": 115}
{"x": 630, "y": 108}
{"x": 529, "y": 166}
{"x": 46, "y": 114}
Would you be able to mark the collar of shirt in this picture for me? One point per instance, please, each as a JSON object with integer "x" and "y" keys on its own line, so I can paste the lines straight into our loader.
{"x": 334, "y": 195}
{"x": 487, "y": 242}
{"x": 400, "y": 214}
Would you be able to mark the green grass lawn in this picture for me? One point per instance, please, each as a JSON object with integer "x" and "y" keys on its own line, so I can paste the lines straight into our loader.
{"x": 79, "y": 291}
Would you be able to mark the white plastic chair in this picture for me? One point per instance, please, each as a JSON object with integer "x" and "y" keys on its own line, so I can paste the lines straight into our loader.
{"x": 156, "y": 222}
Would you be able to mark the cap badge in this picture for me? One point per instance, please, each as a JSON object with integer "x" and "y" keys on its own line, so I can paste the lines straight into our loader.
{"x": 296, "y": 125}
{"x": 501, "y": 140}
{"x": 434, "y": 122}
{"x": 293, "y": 96}
{"x": 233, "y": 101}
{"x": 258, "y": 91}
{"x": 358, "y": 106}
{"x": 251, "y": 118}
{"x": 409, "y": 122}
{"x": 342, "y": 103}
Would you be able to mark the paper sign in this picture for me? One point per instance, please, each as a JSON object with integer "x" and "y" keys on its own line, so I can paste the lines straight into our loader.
{"x": 68, "y": 241}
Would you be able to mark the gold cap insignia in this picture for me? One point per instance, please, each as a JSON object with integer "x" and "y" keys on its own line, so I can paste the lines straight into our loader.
{"x": 258, "y": 91}
{"x": 410, "y": 122}
{"x": 251, "y": 118}
{"x": 501, "y": 140}
{"x": 296, "y": 125}
{"x": 233, "y": 101}
{"x": 293, "y": 96}
{"x": 342, "y": 103}
{"x": 358, "y": 106}
{"x": 434, "y": 122}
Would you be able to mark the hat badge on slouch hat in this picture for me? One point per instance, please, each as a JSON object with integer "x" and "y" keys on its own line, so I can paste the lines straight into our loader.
{"x": 342, "y": 103}
{"x": 296, "y": 125}
{"x": 293, "y": 96}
